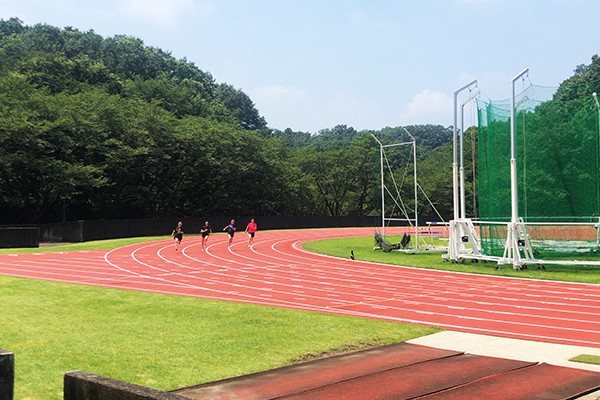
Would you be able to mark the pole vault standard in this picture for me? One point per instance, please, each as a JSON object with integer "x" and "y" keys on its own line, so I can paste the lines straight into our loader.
{"x": 383, "y": 187}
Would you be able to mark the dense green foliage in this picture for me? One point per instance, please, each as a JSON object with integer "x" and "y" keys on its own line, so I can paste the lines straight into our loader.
{"x": 584, "y": 82}
{"x": 98, "y": 128}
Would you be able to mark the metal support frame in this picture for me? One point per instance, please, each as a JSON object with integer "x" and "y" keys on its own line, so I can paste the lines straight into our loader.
{"x": 517, "y": 250}
{"x": 381, "y": 153}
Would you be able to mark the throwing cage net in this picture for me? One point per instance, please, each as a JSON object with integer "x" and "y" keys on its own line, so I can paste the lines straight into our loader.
{"x": 558, "y": 172}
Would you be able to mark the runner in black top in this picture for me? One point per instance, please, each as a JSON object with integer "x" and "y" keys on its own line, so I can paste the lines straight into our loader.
{"x": 178, "y": 234}
{"x": 205, "y": 231}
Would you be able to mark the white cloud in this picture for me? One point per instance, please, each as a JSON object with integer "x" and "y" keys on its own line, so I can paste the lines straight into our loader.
{"x": 165, "y": 12}
{"x": 429, "y": 107}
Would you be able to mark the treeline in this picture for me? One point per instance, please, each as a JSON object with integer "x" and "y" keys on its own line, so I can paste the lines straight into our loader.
{"x": 101, "y": 128}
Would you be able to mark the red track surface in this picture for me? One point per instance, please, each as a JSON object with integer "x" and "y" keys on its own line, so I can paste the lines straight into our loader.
{"x": 277, "y": 272}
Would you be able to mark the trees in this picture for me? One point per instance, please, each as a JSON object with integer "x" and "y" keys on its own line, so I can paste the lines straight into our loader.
{"x": 240, "y": 106}
{"x": 341, "y": 176}
{"x": 585, "y": 81}
{"x": 94, "y": 128}
{"x": 40, "y": 168}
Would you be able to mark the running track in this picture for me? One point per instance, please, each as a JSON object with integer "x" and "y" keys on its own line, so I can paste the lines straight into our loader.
{"x": 276, "y": 271}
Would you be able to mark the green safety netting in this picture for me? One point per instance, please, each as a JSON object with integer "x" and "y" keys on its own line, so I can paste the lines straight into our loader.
{"x": 558, "y": 170}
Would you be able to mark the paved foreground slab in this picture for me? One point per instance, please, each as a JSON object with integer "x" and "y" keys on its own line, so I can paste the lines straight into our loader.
{"x": 405, "y": 371}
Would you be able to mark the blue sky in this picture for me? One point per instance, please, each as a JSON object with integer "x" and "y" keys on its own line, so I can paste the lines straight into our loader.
{"x": 313, "y": 64}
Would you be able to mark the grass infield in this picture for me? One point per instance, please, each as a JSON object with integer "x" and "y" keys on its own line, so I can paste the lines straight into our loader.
{"x": 161, "y": 341}
{"x": 363, "y": 250}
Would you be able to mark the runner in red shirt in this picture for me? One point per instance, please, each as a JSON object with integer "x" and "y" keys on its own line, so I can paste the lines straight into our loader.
{"x": 251, "y": 230}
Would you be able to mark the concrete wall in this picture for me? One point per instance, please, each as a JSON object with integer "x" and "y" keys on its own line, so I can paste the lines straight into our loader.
{"x": 79, "y": 385}
{"x": 19, "y": 236}
{"x": 62, "y": 232}
{"x": 7, "y": 375}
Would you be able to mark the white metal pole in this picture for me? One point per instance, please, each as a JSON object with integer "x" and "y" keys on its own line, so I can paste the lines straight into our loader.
{"x": 416, "y": 191}
{"x": 598, "y": 156}
{"x": 463, "y": 208}
{"x": 513, "y": 151}
{"x": 382, "y": 188}
{"x": 454, "y": 144}
{"x": 463, "y": 213}
{"x": 382, "y": 193}
{"x": 414, "y": 142}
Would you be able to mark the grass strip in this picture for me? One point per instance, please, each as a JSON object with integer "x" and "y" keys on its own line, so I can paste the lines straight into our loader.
{"x": 586, "y": 358}
{"x": 162, "y": 341}
{"x": 86, "y": 246}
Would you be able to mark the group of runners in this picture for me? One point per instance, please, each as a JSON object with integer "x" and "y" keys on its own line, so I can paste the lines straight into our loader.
{"x": 206, "y": 230}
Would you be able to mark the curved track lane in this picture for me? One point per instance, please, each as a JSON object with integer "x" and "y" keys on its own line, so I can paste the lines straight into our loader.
{"x": 276, "y": 271}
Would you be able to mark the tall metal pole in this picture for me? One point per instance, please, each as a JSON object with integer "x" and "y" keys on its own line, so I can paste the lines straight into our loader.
{"x": 414, "y": 142}
{"x": 597, "y": 156}
{"x": 382, "y": 193}
{"x": 382, "y": 188}
{"x": 513, "y": 152}
{"x": 454, "y": 142}
{"x": 463, "y": 208}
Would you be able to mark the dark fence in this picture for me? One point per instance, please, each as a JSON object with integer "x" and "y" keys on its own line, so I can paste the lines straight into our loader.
{"x": 19, "y": 236}
{"x": 83, "y": 231}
